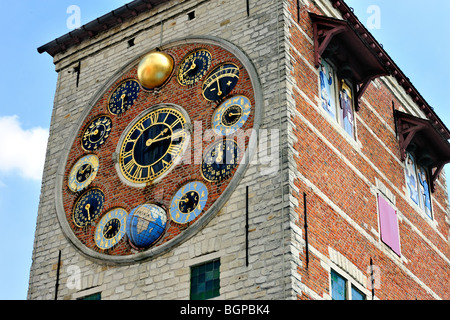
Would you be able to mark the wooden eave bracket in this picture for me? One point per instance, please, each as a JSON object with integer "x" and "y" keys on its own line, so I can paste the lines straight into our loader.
{"x": 326, "y": 36}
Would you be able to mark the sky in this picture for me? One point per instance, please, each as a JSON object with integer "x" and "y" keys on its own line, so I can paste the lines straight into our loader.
{"x": 413, "y": 33}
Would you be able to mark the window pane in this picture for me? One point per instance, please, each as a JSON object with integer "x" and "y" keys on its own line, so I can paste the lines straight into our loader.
{"x": 327, "y": 88}
{"x": 346, "y": 110}
{"x": 411, "y": 178}
{"x": 338, "y": 287}
{"x": 357, "y": 295}
{"x": 95, "y": 296}
{"x": 205, "y": 280}
{"x": 424, "y": 193}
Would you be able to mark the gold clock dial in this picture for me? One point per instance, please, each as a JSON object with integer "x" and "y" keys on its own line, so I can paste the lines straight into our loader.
{"x": 96, "y": 133}
{"x": 153, "y": 145}
{"x": 83, "y": 172}
{"x": 111, "y": 228}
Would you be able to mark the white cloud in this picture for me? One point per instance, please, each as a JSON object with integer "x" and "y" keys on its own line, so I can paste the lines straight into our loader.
{"x": 22, "y": 151}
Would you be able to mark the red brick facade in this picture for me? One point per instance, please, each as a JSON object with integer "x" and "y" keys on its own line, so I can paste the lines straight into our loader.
{"x": 339, "y": 178}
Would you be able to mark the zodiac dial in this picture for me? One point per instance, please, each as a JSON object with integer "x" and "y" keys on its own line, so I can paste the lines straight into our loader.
{"x": 88, "y": 207}
{"x": 188, "y": 202}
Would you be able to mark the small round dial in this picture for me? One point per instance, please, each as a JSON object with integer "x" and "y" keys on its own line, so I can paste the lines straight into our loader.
{"x": 111, "y": 228}
{"x": 124, "y": 96}
{"x": 83, "y": 173}
{"x": 188, "y": 202}
{"x": 220, "y": 82}
{"x": 220, "y": 159}
{"x": 231, "y": 115}
{"x": 88, "y": 207}
{"x": 96, "y": 133}
{"x": 194, "y": 67}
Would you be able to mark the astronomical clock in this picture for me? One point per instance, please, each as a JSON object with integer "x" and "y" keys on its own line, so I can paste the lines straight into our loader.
{"x": 158, "y": 151}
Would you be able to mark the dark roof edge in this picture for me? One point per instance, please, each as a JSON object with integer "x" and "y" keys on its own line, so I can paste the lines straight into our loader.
{"x": 99, "y": 25}
{"x": 395, "y": 71}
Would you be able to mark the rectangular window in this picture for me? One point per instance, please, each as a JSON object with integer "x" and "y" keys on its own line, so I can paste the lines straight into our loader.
{"x": 336, "y": 96}
{"x": 357, "y": 295}
{"x": 95, "y": 296}
{"x": 389, "y": 225}
{"x": 338, "y": 286}
{"x": 205, "y": 280}
{"x": 343, "y": 289}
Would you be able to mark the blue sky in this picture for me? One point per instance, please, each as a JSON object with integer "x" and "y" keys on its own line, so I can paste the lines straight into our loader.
{"x": 413, "y": 34}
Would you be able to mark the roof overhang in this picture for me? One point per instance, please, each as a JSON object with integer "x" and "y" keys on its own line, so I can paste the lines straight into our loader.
{"x": 99, "y": 25}
{"x": 420, "y": 137}
{"x": 337, "y": 41}
{"x": 349, "y": 16}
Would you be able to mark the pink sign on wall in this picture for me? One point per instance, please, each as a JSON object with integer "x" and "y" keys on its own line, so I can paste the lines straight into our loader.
{"x": 389, "y": 225}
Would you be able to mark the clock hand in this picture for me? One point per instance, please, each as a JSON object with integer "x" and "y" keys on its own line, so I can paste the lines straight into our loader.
{"x": 160, "y": 139}
{"x": 234, "y": 114}
{"x": 149, "y": 142}
{"x": 192, "y": 67}
{"x": 219, "y": 92}
{"x": 123, "y": 99}
{"x": 219, "y": 157}
{"x": 87, "y": 207}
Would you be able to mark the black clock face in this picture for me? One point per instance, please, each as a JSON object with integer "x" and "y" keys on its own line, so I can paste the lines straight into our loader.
{"x": 189, "y": 202}
{"x": 124, "y": 96}
{"x": 152, "y": 145}
{"x": 96, "y": 133}
{"x": 84, "y": 172}
{"x": 220, "y": 82}
{"x": 194, "y": 67}
{"x": 232, "y": 115}
{"x": 111, "y": 228}
{"x": 220, "y": 159}
{"x": 88, "y": 207}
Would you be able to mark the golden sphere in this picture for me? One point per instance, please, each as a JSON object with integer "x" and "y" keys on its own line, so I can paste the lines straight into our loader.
{"x": 154, "y": 69}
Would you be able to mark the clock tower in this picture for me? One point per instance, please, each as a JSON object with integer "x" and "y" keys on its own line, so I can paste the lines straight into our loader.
{"x": 194, "y": 153}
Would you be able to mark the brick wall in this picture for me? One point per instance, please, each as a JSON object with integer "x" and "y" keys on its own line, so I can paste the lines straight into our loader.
{"x": 342, "y": 178}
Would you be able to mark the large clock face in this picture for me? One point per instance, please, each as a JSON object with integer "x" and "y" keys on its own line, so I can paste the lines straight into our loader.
{"x": 140, "y": 170}
{"x": 152, "y": 145}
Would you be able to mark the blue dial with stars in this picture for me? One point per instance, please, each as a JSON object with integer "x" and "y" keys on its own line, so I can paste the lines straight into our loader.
{"x": 124, "y": 96}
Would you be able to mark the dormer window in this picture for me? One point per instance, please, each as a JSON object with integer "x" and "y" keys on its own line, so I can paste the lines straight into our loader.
{"x": 421, "y": 143}
{"x": 337, "y": 43}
